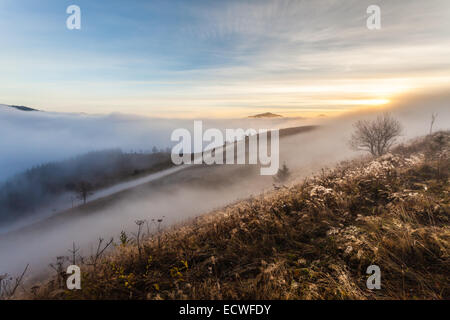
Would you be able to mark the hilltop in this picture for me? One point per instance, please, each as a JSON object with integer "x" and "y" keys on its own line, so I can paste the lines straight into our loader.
{"x": 21, "y": 108}
{"x": 311, "y": 240}
{"x": 266, "y": 115}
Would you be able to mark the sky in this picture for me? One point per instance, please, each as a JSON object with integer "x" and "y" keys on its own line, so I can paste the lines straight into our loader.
{"x": 220, "y": 58}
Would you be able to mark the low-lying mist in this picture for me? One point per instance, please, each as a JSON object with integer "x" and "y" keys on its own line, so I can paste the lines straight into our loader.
{"x": 189, "y": 192}
{"x": 29, "y": 139}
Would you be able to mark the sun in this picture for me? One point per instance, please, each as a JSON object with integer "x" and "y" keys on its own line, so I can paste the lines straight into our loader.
{"x": 376, "y": 102}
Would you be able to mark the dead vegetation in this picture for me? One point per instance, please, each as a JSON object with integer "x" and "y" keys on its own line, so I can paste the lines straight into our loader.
{"x": 313, "y": 240}
{"x": 9, "y": 285}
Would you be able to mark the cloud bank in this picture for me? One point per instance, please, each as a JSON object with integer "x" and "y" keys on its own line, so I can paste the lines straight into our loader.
{"x": 32, "y": 138}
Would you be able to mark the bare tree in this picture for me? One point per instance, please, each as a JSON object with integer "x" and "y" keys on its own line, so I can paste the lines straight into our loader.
{"x": 84, "y": 189}
{"x": 376, "y": 136}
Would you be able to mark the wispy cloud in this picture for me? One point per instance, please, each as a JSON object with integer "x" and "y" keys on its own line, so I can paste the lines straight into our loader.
{"x": 154, "y": 58}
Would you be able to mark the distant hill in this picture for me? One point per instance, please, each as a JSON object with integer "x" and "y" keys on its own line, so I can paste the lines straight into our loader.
{"x": 24, "y": 193}
{"x": 21, "y": 108}
{"x": 266, "y": 115}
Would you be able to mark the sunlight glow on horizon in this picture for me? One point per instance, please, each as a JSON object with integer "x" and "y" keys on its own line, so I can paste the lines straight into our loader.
{"x": 221, "y": 58}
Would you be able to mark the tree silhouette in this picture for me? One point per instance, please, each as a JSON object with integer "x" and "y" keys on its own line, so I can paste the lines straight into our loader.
{"x": 376, "y": 136}
{"x": 84, "y": 189}
{"x": 282, "y": 174}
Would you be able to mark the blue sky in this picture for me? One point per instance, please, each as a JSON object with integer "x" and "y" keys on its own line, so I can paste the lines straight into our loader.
{"x": 219, "y": 58}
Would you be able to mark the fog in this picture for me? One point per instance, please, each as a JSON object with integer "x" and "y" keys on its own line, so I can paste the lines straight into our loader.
{"x": 184, "y": 194}
{"x": 29, "y": 139}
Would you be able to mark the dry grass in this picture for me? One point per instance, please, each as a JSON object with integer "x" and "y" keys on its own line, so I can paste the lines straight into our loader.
{"x": 313, "y": 240}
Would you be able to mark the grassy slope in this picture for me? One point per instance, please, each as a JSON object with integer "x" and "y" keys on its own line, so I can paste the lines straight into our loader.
{"x": 313, "y": 240}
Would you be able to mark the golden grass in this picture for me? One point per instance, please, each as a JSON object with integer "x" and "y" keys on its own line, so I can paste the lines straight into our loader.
{"x": 313, "y": 240}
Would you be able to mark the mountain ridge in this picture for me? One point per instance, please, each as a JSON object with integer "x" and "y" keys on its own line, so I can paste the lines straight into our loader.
{"x": 20, "y": 108}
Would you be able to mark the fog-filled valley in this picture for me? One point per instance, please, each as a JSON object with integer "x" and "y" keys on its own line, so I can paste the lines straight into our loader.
{"x": 32, "y": 139}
